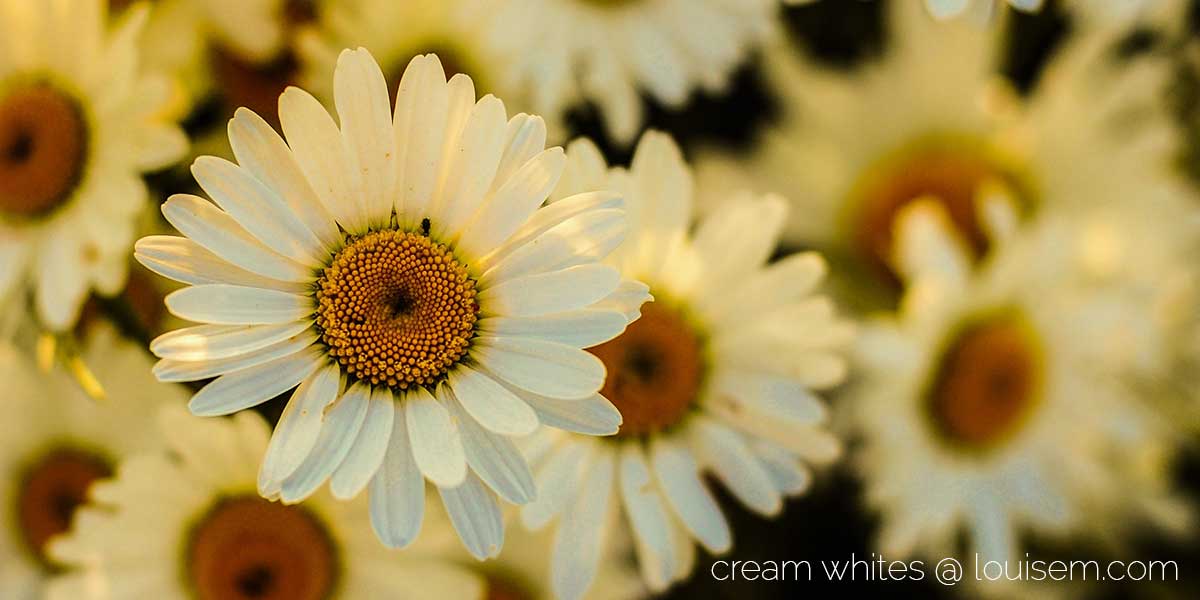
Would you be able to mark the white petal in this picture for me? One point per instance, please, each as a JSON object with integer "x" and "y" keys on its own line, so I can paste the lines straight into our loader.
{"x": 494, "y": 458}
{"x": 476, "y": 517}
{"x": 593, "y": 415}
{"x": 317, "y": 145}
{"x": 338, "y": 432}
{"x": 397, "y": 495}
{"x": 436, "y": 445}
{"x": 525, "y": 140}
{"x": 679, "y": 477}
{"x": 491, "y": 404}
{"x": 422, "y": 105}
{"x": 218, "y": 232}
{"x": 265, "y": 155}
{"x": 250, "y": 387}
{"x": 298, "y": 427}
{"x": 208, "y": 342}
{"x": 580, "y": 240}
{"x": 258, "y": 209}
{"x": 627, "y": 299}
{"x": 471, "y": 166}
{"x": 723, "y": 450}
{"x": 643, "y": 505}
{"x": 558, "y": 482}
{"x": 541, "y": 367}
{"x": 553, "y": 292}
{"x": 790, "y": 476}
{"x": 582, "y": 328}
{"x": 361, "y": 96}
{"x": 512, "y": 204}
{"x": 549, "y": 216}
{"x": 183, "y": 260}
{"x": 235, "y": 305}
{"x": 738, "y": 239}
{"x": 366, "y": 455}
{"x": 579, "y": 541}
{"x": 769, "y": 397}
{"x": 173, "y": 370}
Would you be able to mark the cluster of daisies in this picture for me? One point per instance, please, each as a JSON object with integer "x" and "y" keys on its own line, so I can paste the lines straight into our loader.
{"x": 400, "y": 334}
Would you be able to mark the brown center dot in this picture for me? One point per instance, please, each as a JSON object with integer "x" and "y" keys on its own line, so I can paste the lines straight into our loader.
{"x": 952, "y": 172}
{"x": 43, "y": 142}
{"x": 396, "y": 308}
{"x": 655, "y": 370}
{"x": 52, "y": 490}
{"x": 248, "y": 548}
{"x": 986, "y": 384}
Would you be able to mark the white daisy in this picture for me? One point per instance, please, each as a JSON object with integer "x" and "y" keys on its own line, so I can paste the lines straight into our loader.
{"x": 78, "y": 125}
{"x": 1092, "y": 11}
{"x": 399, "y": 270}
{"x": 606, "y": 51}
{"x": 992, "y": 403}
{"x": 1093, "y": 132}
{"x": 57, "y": 440}
{"x": 395, "y": 32}
{"x": 719, "y": 375}
{"x": 190, "y": 524}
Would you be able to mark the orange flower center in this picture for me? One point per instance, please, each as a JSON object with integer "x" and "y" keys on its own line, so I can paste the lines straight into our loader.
{"x": 396, "y": 308}
{"x": 987, "y": 383}
{"x": 952, "y": 172}
{"x": 248, "y": 548}
{"x": 43, "y": 147}
{"x": 655, "y": 370}
{"x": 52, "y": 490}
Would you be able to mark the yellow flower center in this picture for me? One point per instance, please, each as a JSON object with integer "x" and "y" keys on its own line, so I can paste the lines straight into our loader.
{"x": 43, "y": 147}
{"x": 52, "y": 490}
{"x": 655, "y": 370}
{"x": 396, "y": 308}
{"x": 986, "y": 384}
{"x": 247, "y": 548}
{"x": 953, "y": 171}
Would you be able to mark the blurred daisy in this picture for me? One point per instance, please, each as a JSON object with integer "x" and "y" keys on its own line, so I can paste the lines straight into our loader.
{"x": 981, "y": 10}
{"x": 1094, "y": 132}
{"x": 607, "y": 51}
{"x": 78, "y": 126}
{"x": 57, "y": 440}
{"x": 718, "y": 375}
{"x": 1093, "y": 11}
{"x": 395, "y": 32}
{"x": 400, "y": 272}
{"x": 991, "y": 405}
{"x": 192, "y": 525}
{"x": 217, "y": 46}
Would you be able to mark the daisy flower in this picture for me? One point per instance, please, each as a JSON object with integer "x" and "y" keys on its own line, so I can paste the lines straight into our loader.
{"x": 719, "y": 375}
{"x": 606, "y": 52}
{"x": 190, "y": 524}
{"x": 79, "y": 124}
{"x": 395, "y": 32}
{"x": 991, "y": 405}
{"x": 1092, "y": 11}
{"x": 1093, "y": 132}
{"x": 398, "y": 272}
{"x": 57, "y": 441}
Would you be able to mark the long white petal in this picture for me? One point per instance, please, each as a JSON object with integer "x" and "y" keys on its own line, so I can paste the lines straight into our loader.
{"x": 593, "y": 415}
{"x": 723, "y": 450}
{"x": 251, "y": 387}
{"x": 183, "y": 260}
{"x": 582, "y": 328}
{"x": 558, "y": 482}
{"x": 436, "y": 442}
{"x": 491, "y": 404}
{"x": 643, "y": 504}
{"x": 494, "y": 458}
{"x": 546, "y": 368}
{"x": 172, "y": 370}
{"x": 512, "y": 204}
{"x": 679, "y": 477}
{"x": 545, "y": 293}
{"x": 472, "y": 167}
{"x": 338, "y": 432}
{"x": 224, "y": 304}
{"x": 397, "y": 494}
{"x": 209, "y": 342}
{"x": 422, "y": 104}
{"x": 579, "y": 541}
{"x": 580, "y": 240}
{"x": 361, "y": 95}
{"x": 317, "y": 145}
{"x": 298, "y": 427}
{"x": 476, "y": 517}
{"x": 365, "y": 456}
{"x": 549, "y": 216}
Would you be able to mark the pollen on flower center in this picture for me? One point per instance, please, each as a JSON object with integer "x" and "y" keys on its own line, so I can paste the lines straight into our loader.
{"x": 952, "y": 171}
{"x": 52, "y": 489}
{"x": 247, "y": 548}
{"x": 43, "y": 142}
{"x": 655, "y": 369}
{"x": 986, "y": 383}
{"x": 396, "y": 308}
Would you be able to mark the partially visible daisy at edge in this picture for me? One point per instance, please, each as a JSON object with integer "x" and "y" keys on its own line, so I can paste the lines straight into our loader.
{"x": 187, "y": 522}
{"x": 57, "y": 440}
{"x": 79, "y": 124}
{"x": 395, "y": 32}
{"x": 606, "y": 52}
{"x": 990, "y": 405}
{"x": 981, "y": 12}
{"x": 719, "y": 376}
{"x": 398, "y": 274}
{"x": 1094, "y": 131}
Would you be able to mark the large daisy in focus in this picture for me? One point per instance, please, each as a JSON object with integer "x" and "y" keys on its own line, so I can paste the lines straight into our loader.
{"x": 398, "y": 272}
{"x": 57, "y": 440}
{"x": 79, "y": 124}
{"x": 608, "y": 51}
{"x": 1093, "y": 132}
{"x": 719, "y": 376}
{"x": 190, "y": 524}
{"x": 993, "y": 405}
